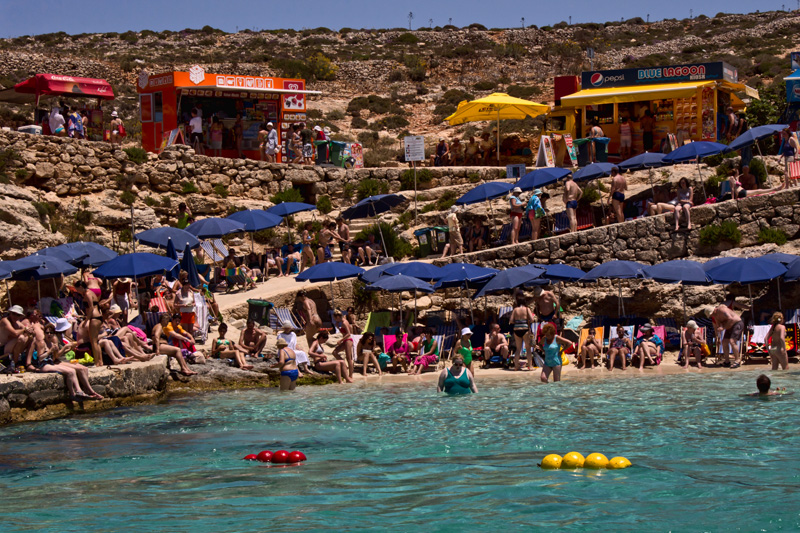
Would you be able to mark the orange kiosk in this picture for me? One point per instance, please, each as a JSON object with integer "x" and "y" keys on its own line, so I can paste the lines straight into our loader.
{"x": 167, "y": 99}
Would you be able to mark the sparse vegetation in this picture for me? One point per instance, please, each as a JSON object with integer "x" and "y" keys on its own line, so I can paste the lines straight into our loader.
{"x": 188, "y": 187}
{"x": 726, "y": 231}
{"x": 127, "y": 197}
{"x": 773, "y": 235}
{"x": 424, "y": 176}
{"x": 136, "y": 155}
{"x": 324, "y": 204}
{"x": 288, "y": 195}
{"x": 371, "y": 187}
{"x": 221, "y": 190}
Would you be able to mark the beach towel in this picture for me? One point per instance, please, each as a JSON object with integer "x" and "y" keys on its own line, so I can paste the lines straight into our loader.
{"x": 378, "y": 319}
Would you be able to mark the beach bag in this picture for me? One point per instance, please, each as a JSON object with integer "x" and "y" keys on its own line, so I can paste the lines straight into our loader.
{"x": 122, "y": 132}
{"x": 705, "y": 349}
{"x": 564, "y": 359}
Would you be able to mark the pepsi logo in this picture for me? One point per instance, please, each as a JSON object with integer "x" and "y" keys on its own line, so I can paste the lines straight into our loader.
{"x": 796, "y": 90}
{"x": 596, "y": 79}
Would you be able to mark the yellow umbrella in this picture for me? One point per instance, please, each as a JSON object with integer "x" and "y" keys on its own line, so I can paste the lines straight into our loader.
{"x": 496, "y": 106}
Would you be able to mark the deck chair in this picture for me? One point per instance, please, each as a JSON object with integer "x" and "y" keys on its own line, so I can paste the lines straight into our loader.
{"x": 671, "y": 331}
{"x": 585, "y": 218}
{"x": 447, "y": 330}
{"x": 793, "y": 315}
{"x": 234, "y": 278}
{"x": 680, "y": 353}
{"x": 708, "y": 325}
{"x": 560, "y": 223}
{"x": 160, "y": 303}
{"x": 719, "y": 348}
{"x": 503, "y": 318}
{"x": 612, "y": 334}
{"x": 151, "y": 318}
{"x": 220, "y": 246}
{"x": 201, "y": 318}
{"x": 757, "y": 344}
{"x": 439, "y": 340}
{"x": 209, "y": 250}
{"x": 505, "y": 234}
{"x": 598, "y": 334}
{"x": 633, "y": 210}
{"x": 277, "y": 315}
{"x": 794, "y": 170}
{"x": 659, "y": 331}
{"x": 526, "y": 230}
{"x": 597, "y": 321}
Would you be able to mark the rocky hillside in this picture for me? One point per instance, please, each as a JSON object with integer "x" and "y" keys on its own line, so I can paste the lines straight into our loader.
{"x": 416, "y": 78}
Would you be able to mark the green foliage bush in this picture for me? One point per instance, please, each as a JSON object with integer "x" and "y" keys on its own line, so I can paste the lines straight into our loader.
{"x": 221, "y": 190}
{"x": 521, "y": 91}
{"x": 485, "y": 85}
{"x": 44, "y": 209}
{"x": 324, "y": 204}
{"x": 136, "y": 155}
{"x": 757, "y": 168}
{"x": 395, "y": 246}
{"x": 774, "y": 235}
{"x": 727, "y": 231}
{"x": 424, "y": 176}
{"x": 417, "y": 68}
{"x": 83, "y": 217}
{"x": 7, "y": 155}
{"x": 407, "y": 38}
{"x": 149, "y": 201}
{"x": 590, "y": 195}
{"x": 288, "y": 195}
{"x": 371, "y": 187}
{"x": 392, "y": 122}
{"x": 127, "y": 197}
{"x": 188, "y": 187}
{"x": 362, "y": 298}
{"x": 267, "y": 236}
{"x": 334, "y": 114}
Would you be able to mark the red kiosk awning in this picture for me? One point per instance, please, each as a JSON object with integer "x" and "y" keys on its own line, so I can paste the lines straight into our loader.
{"x": 33, "y": 88}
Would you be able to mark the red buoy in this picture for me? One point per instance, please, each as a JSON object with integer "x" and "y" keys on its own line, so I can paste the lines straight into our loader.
{"x": 295, "y": 457}
{"x": 300, "y": 455}
{"x": 265, "y": 456}
{"x": 281, "y": 456}
{"x": 250, "y": 457}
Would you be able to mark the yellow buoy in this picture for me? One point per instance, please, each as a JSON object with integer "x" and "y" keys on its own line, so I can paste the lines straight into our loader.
{"x": 551, "y": 461}
{"x": 616, "y": 463}
{"x": 572, "y": 460}
{"x": 596, "y": 461}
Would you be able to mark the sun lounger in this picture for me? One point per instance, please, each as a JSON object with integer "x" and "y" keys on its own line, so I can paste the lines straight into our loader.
{"x": 560, "y": 223}
{"x": 209, "y": 250}
{"x": 758, "y": 343}
{"x": 221, "y": 248}
{"x": 160, "y": 303}
{"x": 598, "y": 334}
{"x": 278, "y": 315}
{"x": 680, "y": 354}
{"x": 235, "y": 278}
{"x": 505, "y": 235}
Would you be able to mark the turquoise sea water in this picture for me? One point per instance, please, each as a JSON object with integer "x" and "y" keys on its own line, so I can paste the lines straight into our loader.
{"x": 400, "y": 457}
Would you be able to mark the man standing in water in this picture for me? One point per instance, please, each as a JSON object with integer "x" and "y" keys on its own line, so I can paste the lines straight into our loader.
{"x": 572, "y": 193}
{"x": 617, "y": 195}
{"x": 308, "y": 309}
{"x": 725, "y": 319}
{"x": 546, "y": 306}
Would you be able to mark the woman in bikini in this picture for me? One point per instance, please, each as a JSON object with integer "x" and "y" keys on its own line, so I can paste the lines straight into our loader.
{"x": 226, "y": 348}
{"x": 162, "y": 347}
{"x": 366, "y": 353}
{"x": 521, "y": 320}
{"x": 517, "y": 207}
{"x": 92, "y": 283}
{"x": 346, "y": 344}
{"x": 288, "y": 365}
{"x": 95, "y": 318}
{"x": 76, "y": 377}
{"x": 307, "y": 258}
{"x": 620, "y": 346}
{"x": 321, "y": 363}
{"x": 777, "y": 342}
{"x": 123, "y": 337}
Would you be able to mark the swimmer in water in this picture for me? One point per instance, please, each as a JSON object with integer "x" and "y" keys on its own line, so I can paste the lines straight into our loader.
{"x": 764, "y": 384}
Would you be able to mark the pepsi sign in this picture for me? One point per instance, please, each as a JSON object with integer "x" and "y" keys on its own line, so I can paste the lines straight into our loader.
{"x": 655, "y": 75}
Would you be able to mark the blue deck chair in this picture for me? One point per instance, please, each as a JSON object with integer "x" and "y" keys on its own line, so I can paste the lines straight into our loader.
{"x": 209, "y": 250}
{"x": 526, "y": 230}
{"x": 505, "y": 234}
{"x": 706, "y": 323}
{"x": 560, "y": 223}
{"x": 278, "y": 315}
{"x": 612, "y": 334}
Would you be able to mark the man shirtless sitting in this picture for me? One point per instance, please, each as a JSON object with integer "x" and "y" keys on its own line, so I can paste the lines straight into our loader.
{"x": 15, "y": 335}
{"x": 496, "y": 345}
{"x": 725, "y": 319}
{"x": 252, "y": 340}
{"x": 663, "y": 201}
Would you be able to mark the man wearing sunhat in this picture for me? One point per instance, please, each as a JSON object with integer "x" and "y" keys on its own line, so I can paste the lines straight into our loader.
{"x": 572, "y": 194}
{"x": 456, "y": 245}
{"x": 14, "y": 334}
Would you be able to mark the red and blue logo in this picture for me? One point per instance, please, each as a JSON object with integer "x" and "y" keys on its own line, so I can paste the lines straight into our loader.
{"x": 596, "y": 79}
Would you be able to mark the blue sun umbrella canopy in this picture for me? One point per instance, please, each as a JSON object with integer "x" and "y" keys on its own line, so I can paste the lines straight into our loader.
{"x": 615, "y": 270}
{"x": 373, "y": 206}
{"x": 562, "y": 273}
{"x": 708, "y": 265}
{"x": 746, "y": 271}
{"x": 694, "y": 150}
{"x": 463, "y": 275}
{"x": 645, "y": 160}
{"x": 678, "y": 271}
{"x": 485, "y": 192}
{"x": 187, "y": 264}
{"x": 158, "y": 238}
{"x": 138, "y": 265}
{"x": 214, "y": 228}
{"x": 753, "y": 135}
{"x": 331, "y": 271}
{"x": 73, "y": 257}
{"x": 285, "y": 209}
{"x": 39, "y": 267}
{"x": 375, "y": 273}
{"x": 256, "y": 219}
{"x": 780, "y": 257}
{"x": 594, "y": 171}
{"x": 415, "y": 269}
{"x": 541, "y": 177}
{"x": 96, "y": 254}
{"x": 7, "y": 268}
{"x": 792, "y": 272}
{"x": 400, "y": 283}
{"x": 510, "y": 278}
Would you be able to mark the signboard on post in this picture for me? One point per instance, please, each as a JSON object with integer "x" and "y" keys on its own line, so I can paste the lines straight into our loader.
{"x": 414, "y": 146}
{"x": 570, "y": 150}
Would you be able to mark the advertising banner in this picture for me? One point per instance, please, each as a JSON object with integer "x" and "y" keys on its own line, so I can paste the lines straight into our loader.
{"x": 656, "y": 75}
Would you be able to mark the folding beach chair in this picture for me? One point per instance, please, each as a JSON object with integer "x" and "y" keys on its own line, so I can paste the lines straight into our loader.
{"x": 585, "y": 218}
{"x": 377, "y": 319}
{"x": 660, "y": 332}
{"x": 560, "y": 223}
{"x": 210, "y": 252}
{"x": 160, "y": 303}
{"x": 278, "y": 315}
{"x": 793, "y": 315}
{"x": 235, "y": 278}
{"x": 151, "y": 318}
{"x": 794, "y": 170}
{"x": 439, "y": 340}
{"x": 757, "y": 344}
{"x": 505, "y": 235}
{"x": 598, "y": 334}
{"x": 201, "y": 318}
{"x": 612, "y": 334}
{"x": 221, "y": 248}
{"x": 526, "y": 230}
{"x": 743, "y": 342}
{"x": 680, "y": 353}
{"x": 672, "y": 333}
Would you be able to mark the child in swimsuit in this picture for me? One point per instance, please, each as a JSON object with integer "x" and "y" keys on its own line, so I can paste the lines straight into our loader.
{"x": 287, "y": 360}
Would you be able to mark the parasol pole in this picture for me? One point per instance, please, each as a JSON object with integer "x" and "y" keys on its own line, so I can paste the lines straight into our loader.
{"x": 39, "y": 289}
{"x": 780, "y": 305}
{"x": 498, "y": 136}
{"x": 8, "y": 293}
{"x": 752, "y": 311}
{"x": 683, "y": 297}
{"x": 380, "y": 230}
{"x": 700, "y": 175}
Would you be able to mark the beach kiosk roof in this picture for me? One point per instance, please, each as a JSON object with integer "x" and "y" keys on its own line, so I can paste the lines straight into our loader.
{"x": 32, "y": 89}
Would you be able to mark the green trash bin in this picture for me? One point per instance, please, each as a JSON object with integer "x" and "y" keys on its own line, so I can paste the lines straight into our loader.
{"x": 258, "y": 311}
{"x": 323, "y": 150}
{"x": 425, "y": 238}
{"x": 337, "y": 152}
{"x": 601, "y": 147}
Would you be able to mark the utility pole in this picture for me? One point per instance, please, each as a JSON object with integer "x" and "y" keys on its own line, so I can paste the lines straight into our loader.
{"x": 450, "y": 20}
{"x": 522, "y": 22}
{"x": 691, "y": 14}
{"x": 430, "y": 23}
{"x": 570, "y": 20}
{"x": 410, "y": 18}
{"x": 648, "y": 16}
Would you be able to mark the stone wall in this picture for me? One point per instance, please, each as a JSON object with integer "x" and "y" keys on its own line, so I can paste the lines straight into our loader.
{"x": 651, "y": 240}
{"x": 32, "y": 396}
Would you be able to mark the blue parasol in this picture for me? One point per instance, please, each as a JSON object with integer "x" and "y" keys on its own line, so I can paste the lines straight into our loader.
{"x": 510, "y": 278}
{"x": 541, "y": 177}
{"x": 285, "y": 209}
{"x": 618, "y": 270}
{"x": 754, "y": 135}
{"x": 138, "y": 265}
{"x": 415, "y": 269}
{"x": 158, "y": 237}
{"x": 594, "y": 171}
{"x": 678, "y": 271}
{"x": 187, "y": 264}
{"x": 96, "y": 254}
{"x": 214, "y": 228}
{"x": 256, "y": 219}
{"x": 73, "y": 257}
{"x": 485, "y": 192}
